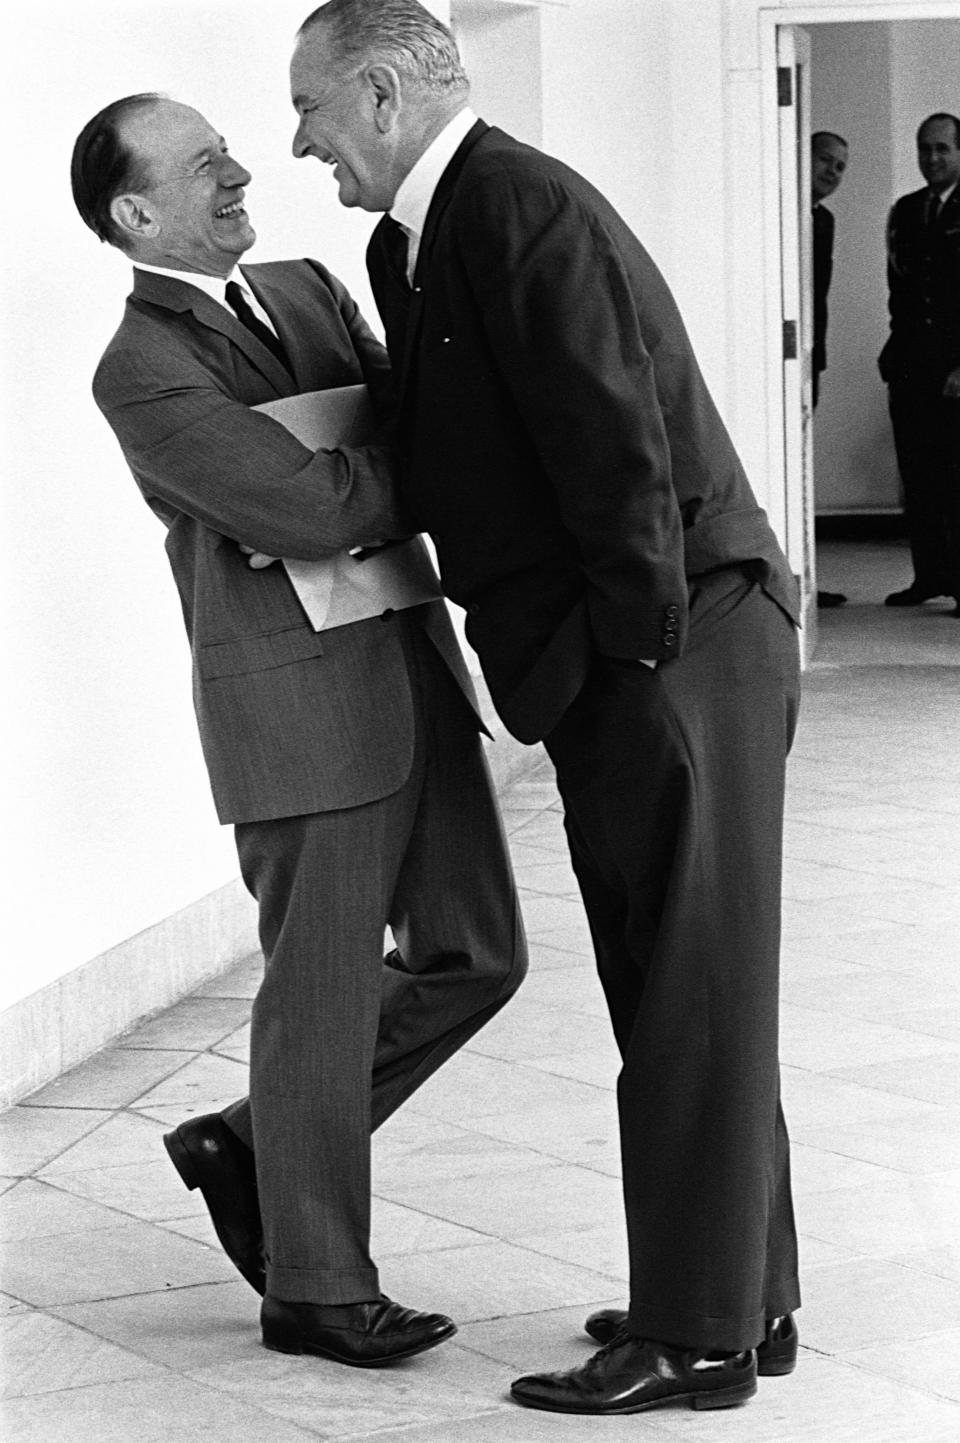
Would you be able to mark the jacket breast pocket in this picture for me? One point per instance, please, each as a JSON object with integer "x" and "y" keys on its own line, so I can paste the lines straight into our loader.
{"x": 257, "y": 653}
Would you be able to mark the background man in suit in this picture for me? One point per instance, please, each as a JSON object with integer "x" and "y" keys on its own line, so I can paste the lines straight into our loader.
{"x": 349, "y": 758}
{"x": 921, "y": 362}
{"x": 828, "y": 161}
{"x": 631, "y": 607}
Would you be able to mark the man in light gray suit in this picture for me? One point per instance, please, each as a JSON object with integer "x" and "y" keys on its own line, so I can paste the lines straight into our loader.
{"x": 348, "y": 758}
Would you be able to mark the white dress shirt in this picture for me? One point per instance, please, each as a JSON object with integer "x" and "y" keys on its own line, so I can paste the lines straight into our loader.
{"x": 215, "y": 287}
{"x": 416, "y": 191}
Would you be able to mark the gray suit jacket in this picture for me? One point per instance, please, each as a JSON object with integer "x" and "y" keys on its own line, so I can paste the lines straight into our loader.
{"x": 291, "y": 720}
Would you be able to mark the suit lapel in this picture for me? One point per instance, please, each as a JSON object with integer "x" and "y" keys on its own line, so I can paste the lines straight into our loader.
{"x": 441, "y": 199}
{"x": 181, "y": 296}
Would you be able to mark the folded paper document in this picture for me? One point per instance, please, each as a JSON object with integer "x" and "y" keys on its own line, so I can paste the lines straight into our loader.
{"x": 350, "y": 587}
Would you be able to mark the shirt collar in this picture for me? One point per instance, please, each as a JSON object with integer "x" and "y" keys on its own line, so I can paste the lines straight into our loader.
{"x": 945, "y": 195}
{"x": 416, "y": 190}
{"x": 214, "y": 286}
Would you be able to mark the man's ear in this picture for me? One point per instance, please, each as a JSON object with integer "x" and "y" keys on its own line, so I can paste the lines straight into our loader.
{"x": 384, "y": 83}
{"x": 132, "y": 214}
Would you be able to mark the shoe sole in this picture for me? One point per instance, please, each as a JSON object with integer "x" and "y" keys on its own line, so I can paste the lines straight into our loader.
{"x": 707, "y": 1398}
{"x": 179, "y": 1155}
{"x": 294, "y": 1344}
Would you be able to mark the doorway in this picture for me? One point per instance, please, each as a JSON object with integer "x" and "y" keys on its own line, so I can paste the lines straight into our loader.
{"x": 870, "y": 73}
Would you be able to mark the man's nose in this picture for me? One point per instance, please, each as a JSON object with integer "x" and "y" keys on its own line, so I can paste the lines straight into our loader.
{"x": 300, "y": 141}
{"x": 233, "y": 174}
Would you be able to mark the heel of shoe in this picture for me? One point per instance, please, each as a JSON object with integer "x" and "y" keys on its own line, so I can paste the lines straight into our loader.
{"x": 725, "y": 1397}
{"x": 776, "y": 1367}
{"x": 279, "y": 1332}
{"x": 181, "y": 1159}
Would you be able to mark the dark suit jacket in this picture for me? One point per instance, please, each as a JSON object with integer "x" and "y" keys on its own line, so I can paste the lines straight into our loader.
{"x": 923, "y": 274}
{"x": 561, "y": 444}
{"x": 291, "y": 720}
{"x": 823, "y": 230}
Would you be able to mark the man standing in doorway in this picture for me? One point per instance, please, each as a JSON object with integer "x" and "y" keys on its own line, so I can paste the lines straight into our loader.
{"x": 631, "y": 607}
{"x": 828, "y": 161}
{"x": 921, "y": 362}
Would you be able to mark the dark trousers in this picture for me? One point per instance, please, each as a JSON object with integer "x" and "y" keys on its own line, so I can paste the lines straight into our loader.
{"x": 926, "y": 433}
{"x": 673, "y": 788}
{"x": 342, "y": 1035}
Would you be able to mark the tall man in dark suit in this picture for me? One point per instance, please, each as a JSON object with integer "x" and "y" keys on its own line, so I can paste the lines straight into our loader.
{"x": 828, "y": 161}
{"x": 921, "y": 362}
{"x": 630, "y": 607}
{"x": 348, "y": 758}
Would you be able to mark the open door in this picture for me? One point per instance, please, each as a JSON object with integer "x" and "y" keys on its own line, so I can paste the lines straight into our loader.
{"x": 796, "y": 290}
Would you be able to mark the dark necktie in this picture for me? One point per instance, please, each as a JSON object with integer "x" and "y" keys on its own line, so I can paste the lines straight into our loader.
{"x": 396, "y": 243}
{"x": 243, "y": 311}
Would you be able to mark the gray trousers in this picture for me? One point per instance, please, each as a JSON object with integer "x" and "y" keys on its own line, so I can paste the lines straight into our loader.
{"x": 673, "y": 787}
{"x": 342, "y": 1035}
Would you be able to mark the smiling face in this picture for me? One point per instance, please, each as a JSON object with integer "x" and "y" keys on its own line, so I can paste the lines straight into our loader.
{"x": 189, "y": 215}
{"x": 938, "y": 154}
{"x": 346, "y": 121}
{"x": 828, "y": 161}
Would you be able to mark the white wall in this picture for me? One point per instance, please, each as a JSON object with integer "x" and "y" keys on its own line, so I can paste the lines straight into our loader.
{"x": 110, "y": 825}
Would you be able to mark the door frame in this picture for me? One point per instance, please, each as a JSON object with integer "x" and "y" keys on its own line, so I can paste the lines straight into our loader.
{"x": 781, "y": 434}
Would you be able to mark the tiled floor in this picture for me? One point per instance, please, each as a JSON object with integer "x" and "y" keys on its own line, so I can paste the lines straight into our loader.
{"x": 496, "y": 1190}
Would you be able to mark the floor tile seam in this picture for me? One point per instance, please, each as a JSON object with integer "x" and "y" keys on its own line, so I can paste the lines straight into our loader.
{"x": 20, "y": 1106}
{"x": 84, "y": 1200}
{"x": 524, "y": 1064}
{"x": 847, "y": 1361}
{"x": 190, "y": 1055}
{"x": 565, "y": 1159}
{"x": 946, "y": 1051}
{"x": 880, "y": 1020}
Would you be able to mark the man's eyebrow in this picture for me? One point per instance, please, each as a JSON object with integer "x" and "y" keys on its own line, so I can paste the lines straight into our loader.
{"x": 208, "y": 149}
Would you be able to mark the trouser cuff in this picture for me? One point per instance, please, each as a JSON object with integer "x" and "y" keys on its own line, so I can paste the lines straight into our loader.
{"x": 323, "y": 1285}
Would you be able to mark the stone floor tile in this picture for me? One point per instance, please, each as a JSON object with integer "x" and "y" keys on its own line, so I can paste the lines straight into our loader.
{"x": 178, "y": 1328}
{"x": 451, "y": 1152}
{"x": 816, "y": 1169}
{"x": 107, "y": 1263}
{"x": 847, "y": 1046}
{"x": 540, "y": 1199}
{"x": 932, "y": 1363}
{"x": 34, "y": 1209}
{"x": 242, "y": 980}
{"x": 567, "y": 988}
{"x": 923, "y": 1141}
{"x": 205, "y": 1084}
{"x": 440, "y": 1386}
{"x": 398, "y": 1231}
{"x": 113, "y": 1078}
{"x": 43, "y": 1355}
{"x": 511, "y": 1424}
{"x": 31, "y": 1137}
{"x": 472, "y": 1085}
{"x": 934, "y": 1077}
{"x": 127, "y": 1138}
{"x": 578, "y": 1067}
{"x": 235, "y": 1046}
{"x": 493, "y": 1280}
{"x": 522, "y": 1032}
{"x": 587, "y": 1133}
{"x": 192, "y": 1025}
{"x": 147, "y": 1411}
{"x": 904, "y": 1213}
{"x": 150, "y": 1191}
{"x": 865, "y": 1302}
{"x": 941, "y": 1262}
{"x": 600, "y": 1246}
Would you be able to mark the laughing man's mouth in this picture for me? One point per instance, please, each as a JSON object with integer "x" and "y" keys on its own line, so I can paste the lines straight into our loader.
{"x": 234, "y": 208}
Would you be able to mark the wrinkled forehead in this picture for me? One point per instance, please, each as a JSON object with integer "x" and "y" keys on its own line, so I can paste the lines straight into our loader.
{"x": 167, "y": 132}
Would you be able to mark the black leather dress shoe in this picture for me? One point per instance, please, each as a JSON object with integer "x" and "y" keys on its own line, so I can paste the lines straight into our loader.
{"x": 365, "y": 1335}
{"x": 911, "y": 596}
{"x": 630, "y": 1375}
{"x": 776, "y": 1355}
{"x": 209, "y": 1156}
{"x": 828, "y": 599}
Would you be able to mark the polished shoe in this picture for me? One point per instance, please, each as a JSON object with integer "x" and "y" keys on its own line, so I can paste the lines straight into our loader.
{"x": 209, "y": 1156}
{"x": 630, "y": 1375}
{"x": 828, "y": 599}
{"x": 776, "y": 1355}
{"x": 365, "y": 1335}
{"x": 912, "y": 596}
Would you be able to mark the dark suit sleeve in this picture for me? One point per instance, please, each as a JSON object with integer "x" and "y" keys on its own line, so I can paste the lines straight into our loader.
{"x": 561, "y": 319}
{"x": 194, "y": 449}
{"x": 371, "y": 353}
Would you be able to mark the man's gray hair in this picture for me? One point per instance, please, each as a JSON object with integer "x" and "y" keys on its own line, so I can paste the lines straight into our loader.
{"x": 400, "y": 32}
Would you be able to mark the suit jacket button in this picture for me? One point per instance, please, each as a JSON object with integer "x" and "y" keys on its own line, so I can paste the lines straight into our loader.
{"x": 387, "y": 615}
{"x": 474, "y": 608}
{"x": 673, "y": 611}
{"x": 669, "y": 639}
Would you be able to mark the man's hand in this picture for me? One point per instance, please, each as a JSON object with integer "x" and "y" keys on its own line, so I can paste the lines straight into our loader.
{"x": 951, "y": 386}
{"x": 257, "y": 560}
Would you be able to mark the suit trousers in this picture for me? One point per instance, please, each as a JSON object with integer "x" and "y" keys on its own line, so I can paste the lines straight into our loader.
{"x": 926, "y": 432}
{"x": 673, "y": 787}
{"x": 341, "y": 1034}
